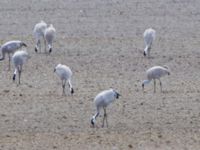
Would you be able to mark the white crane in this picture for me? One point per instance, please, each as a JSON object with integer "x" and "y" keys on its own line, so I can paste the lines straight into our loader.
{"x": 154, "y": 73}
{"x": 9, "y": 48}
{"x": 102, "y": 100}
{"x": 149, "y": 37}
{"x": 65, "y": 74}
{"x": 18, "y": 59}
{"x": 49, "y": 35}
{"x": 38, "y": 33}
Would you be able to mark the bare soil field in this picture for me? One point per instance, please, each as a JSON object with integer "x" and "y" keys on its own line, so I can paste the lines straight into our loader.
{"x": 102, "y": 42}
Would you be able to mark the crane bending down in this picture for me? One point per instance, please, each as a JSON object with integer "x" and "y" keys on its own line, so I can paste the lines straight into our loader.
{"x": 102, "y": 100}
{"x": 149, "y": 37}
{"x": 38, "y": 33}
{"x": 49, "y": 35}
{"x": 18, "y": 59}
{"x": 9, "y": 48}
{"x": 65, "y": 74}
{"x": 154, "y": 73}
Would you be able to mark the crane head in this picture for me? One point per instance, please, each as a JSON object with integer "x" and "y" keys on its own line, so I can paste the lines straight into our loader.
{"x": 14, "y": 76}
{"x": 144, "y": 53}
{"x": 117, "y": 95}
{"x": 143, "y": 86}
{"x": 36, "y": 50}
{"x": 72, "y": 91}
{"x": 93, "y": 120}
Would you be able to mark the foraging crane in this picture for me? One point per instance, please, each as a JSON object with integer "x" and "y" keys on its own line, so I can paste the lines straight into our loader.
{"x": 65, "y": 74}
{"x": 9, "y": 48}
{"x": 49, "y": 35}
{"x": 154, "y": 73}
{"x": 38, "y": 33}
{"x": 149, "y": 37}
{"x": 18, "y": 59}
{"x": 102, "y": 100}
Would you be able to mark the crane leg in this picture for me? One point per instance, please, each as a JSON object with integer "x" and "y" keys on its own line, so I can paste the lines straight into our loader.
{"x": 45, "y": 45}
{"x": 160, "y": 85}
{"x": 20, "y": 71}
{"x": 19, "y": 75}
{"x": 154, "y": 85}
{"x": 9, "y": 59}
{"x": 63, "y": 86}
{"x": 105, "y": 117}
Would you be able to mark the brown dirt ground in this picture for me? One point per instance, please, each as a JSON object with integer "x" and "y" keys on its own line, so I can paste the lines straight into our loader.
{"x": 101, "y": 40}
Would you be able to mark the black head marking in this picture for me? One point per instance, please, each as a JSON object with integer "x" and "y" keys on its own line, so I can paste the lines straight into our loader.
{"x": 14, "y": 76}
{"x": 144, "y": 53}
{"x": 36, "y": 50}
{"x": 50, "y": 50}
{"x": 72, "y": 91}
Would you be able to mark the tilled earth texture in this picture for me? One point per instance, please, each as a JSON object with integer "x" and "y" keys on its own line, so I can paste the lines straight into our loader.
{"x": 102, "y": 42}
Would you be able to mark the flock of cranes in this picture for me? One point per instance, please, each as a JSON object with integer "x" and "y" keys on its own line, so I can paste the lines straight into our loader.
{"x": 46, "y": 33}
{"x": 104, "y": 98}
